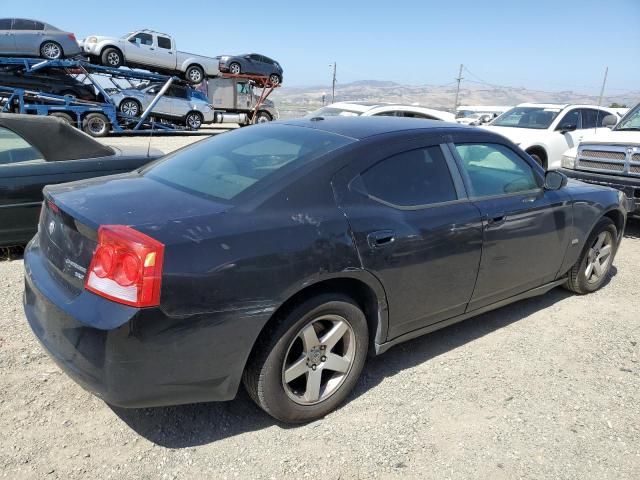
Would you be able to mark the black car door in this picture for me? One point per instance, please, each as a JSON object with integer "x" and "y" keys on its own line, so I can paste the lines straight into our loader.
{"x": 414, "y": 229}
{"x": 525, "y": 227}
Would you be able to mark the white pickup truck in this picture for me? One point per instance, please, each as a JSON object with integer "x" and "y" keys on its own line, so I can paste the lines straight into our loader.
{"x": 149, "y": 50}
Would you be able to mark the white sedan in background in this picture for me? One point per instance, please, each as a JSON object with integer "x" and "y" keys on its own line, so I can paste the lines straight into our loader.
{"x": 546, "y": 131}
{"x": 361, "y": 109}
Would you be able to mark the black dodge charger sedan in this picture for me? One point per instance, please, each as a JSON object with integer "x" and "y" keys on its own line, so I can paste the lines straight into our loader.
{"x": 280, "y": 255}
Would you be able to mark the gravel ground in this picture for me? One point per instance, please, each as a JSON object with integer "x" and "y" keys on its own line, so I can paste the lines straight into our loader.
{"x": 545, "y": 388}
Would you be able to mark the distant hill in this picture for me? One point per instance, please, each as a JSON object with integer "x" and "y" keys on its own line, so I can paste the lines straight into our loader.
{"x": 297, "y": 101}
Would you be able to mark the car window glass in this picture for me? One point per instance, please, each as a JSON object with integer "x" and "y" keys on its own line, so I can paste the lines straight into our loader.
{"x": 494, "y": 169}
{"x": 226, "y": 165}
{"x": 14, "y": 149}
{"x": 5, "y": 24}
{"x": 242, "y": 88}
{"x": 38, "y": 26}
{"x": 164, "y": 42}
{"x": 409, "y": 179}
{"x": 388, "y": 113}
{"x": 21, "y": 24}
{"x": 142, "y": 38}
{"x": 592, "y": 118}
{"x": 417, "y": 115}
{"x": 570, "y": 119}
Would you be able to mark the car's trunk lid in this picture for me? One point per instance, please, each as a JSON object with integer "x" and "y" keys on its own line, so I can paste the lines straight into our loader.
{"x": 73, "y": 212}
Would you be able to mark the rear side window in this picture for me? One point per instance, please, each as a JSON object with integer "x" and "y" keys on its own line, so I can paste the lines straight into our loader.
{"x": 21, "y": 24}
{"x": 14, "y": 149}
{"x": 226, "y": 165}
{"x": 410, "y": 179}
{"x": 164, "y": 42}
{"x": 592, "y": 118}
{"x": 5, "y": 24}
{"x": 494, "y": 169}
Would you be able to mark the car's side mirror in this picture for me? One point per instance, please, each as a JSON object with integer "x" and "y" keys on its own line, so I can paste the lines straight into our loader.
{"x": 567, "y": 127}
{"x": 554, "y": 180}
{"x": 609, "y": 121}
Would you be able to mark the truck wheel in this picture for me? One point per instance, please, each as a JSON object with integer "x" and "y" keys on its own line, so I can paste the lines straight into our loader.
{"x": 235, "y": 69}
{"x": 274, "y": 79}
{"x": 96, "y": 124}
{"x": 65, "y": 117}
{"x": 112, "y": 57}
{"x": 130, "y": 107}
{"x": 51, "y": 50}
{"x": 193, "y": 120}
{"x": 194, "y": 74}
{"x": 263, "y": 117}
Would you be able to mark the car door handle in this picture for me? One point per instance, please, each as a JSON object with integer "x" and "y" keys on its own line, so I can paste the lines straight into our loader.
{"x": 496, "y": 219}
{"x": 381, "y": 238}
{"x": 151, "y": 48}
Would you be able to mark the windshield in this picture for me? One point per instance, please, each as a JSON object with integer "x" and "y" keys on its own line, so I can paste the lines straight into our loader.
{"x": 333, "y": 112}
{"x": 528, "y": 117}
{"x": 631, "y": 121}
{"x": 228, "y": 164}
{"x": 199, "y": 95}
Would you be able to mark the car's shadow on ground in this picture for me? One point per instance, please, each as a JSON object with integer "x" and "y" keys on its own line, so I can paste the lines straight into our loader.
{"x": 192, "y": 425}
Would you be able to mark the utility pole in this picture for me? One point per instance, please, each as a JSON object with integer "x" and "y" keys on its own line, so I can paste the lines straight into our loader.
{"x": 459, "y": 79}
{"x": 333, "y": 90}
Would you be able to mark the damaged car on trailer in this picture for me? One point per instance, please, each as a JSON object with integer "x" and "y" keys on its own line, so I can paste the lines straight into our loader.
{"x": 280, "y": 255}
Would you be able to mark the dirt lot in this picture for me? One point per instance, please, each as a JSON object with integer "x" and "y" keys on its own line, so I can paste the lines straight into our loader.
{"x": 546, "y": 388}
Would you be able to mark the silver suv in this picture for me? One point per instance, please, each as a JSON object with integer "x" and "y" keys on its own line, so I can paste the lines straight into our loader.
{"x": 181, "y": 103}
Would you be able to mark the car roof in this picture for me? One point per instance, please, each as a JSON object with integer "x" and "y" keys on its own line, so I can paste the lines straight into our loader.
{"x": 562, "y": 105}
{"x": 54, "y": 138}
{"x": 363, "y": 127}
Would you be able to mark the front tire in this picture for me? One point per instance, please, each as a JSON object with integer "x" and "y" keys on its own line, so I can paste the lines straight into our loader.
{"x": 193, "y": 120}
{"x": 263, "y": 117}
{"x": 51, "y": 50}
{"x": 112, "y": 57}
{"x": 234, "y": 68}
{"x": 306, "y": 364}
{"x": 96, "y": 124}
{"x": 593, "y": 267}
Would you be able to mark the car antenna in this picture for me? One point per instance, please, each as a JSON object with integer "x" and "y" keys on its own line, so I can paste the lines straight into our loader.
{"x": 150, "y": 135}
{"x": 604, "y": 82}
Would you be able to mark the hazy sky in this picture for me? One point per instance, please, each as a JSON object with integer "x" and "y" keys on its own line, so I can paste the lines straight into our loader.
{"x": 539, "y": 44}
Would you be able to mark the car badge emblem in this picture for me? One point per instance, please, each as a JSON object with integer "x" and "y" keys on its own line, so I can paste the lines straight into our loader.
{"x": 630, "y": 150}
{"x": 52, "y": 227}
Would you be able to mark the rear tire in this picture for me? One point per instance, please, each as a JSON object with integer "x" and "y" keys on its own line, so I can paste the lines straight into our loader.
{"x": 593, "y": 267}
{"x": 194, "y": 74}
{"x": 307, "y": 362}
{"x": 65, "y": 117}
{"x": 51, "y": 50}
{"x": 274, "y": 79}
{"x": 96, "y": 124}
{"x": 263, "y": 117}
{"x": 537, "y": 159}
{"x": 130, "y": 107}
{"x": 112, "y": 57}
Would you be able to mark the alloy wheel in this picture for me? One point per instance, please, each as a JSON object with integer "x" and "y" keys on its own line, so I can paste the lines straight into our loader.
{"x": 96, "y": 126}
{"x": 195, "y": 76}
{"x": 234, "y": 68}
{"x": 51, "y": 51}
{"x": 599, "y": 257}
{"x": 194, "y": 121}
{"x": 130, "y": 108}
{"x": 318, "y": 360}
{"x": 113, "y": 59}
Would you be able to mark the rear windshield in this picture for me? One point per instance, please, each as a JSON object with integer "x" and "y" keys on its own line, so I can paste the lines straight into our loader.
{"x": 227, "y": 164}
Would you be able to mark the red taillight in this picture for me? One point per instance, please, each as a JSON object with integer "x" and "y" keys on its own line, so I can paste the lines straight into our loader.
{"x": 126, "y": 267}
{"x": 72, "y": 37}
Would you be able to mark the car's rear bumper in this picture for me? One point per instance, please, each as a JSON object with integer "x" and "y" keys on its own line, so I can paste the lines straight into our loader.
{"x": 630, "y": 186}
{"x": 136, "y": 357}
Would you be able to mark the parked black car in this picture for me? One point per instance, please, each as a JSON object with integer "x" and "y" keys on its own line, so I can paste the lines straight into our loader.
{"x": 251, "y": 64}
{"x": 36, "y": 151}
{"x": 281, "y": 254}
{"x": 55, "y": 81}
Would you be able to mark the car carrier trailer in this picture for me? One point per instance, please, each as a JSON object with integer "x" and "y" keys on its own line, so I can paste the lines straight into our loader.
{"x": 95, "y": 118}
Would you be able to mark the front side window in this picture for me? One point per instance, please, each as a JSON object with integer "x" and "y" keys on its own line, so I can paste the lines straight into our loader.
{"x": 494, "y": 169}
{"x": 226, "y": 165}
{"x": 570, "y": 120}
{"x": 528, "y": 117}
{"x": 5, "y": 24}
{"x": 592, "y": 118}
{"x": 164, "y": 42}
{"x": 410, "y": 179}
{"x": 142, "y": 39}
{"x": 14, "y": 149}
